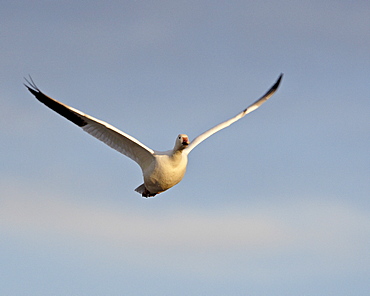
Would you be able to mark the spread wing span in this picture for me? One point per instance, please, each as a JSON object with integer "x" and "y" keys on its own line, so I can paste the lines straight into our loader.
{"x": 226, "y": 123}
{"x": 101, "y": 130}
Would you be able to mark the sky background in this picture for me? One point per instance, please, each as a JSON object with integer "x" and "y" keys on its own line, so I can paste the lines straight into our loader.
{"x": 276, "y": 204}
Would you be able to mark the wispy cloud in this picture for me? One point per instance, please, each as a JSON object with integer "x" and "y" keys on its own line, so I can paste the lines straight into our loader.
{"x": 329, "y": 231}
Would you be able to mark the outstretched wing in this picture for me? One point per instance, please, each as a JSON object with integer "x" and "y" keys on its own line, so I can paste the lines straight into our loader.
{"x": 101, "y": 130}
{"x": 226, "y": 123}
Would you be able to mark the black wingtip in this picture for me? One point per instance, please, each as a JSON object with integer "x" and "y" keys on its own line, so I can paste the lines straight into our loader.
{"x": 58, "y": 107}
{"x": 273, "y": 88}
{"x": 31, "y": 86}
{"x": 277, "y": 83}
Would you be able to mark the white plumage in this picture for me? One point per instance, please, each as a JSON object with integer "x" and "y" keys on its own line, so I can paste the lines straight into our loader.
{"x": 161, "y": 170}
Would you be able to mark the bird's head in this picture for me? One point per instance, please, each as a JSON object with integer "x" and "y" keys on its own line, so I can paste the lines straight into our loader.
{"x": 182, "y": 141}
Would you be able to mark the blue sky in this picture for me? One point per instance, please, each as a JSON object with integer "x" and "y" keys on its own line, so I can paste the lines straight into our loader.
{"x": 276, "y": 204}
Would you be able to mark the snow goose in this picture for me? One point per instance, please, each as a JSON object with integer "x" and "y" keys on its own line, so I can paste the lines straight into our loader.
{"x": 161, "y": 170}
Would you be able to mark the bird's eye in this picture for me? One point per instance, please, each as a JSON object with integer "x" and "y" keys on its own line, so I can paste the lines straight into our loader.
{"x": 179, "y": 137}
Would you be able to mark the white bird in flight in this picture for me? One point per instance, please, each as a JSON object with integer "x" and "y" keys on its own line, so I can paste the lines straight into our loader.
{"x": 161, "y": 170}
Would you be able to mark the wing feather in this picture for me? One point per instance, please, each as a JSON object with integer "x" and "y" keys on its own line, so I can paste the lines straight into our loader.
{"x": 101, "y": 130}
{"x": 226, "y": 123}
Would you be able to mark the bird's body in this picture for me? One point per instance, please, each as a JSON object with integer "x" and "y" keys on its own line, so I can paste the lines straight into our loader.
{"x": 165, "y": 171}
{"x": 161, "y": 170}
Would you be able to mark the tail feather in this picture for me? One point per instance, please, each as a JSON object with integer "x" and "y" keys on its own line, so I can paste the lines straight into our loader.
{"x": 144, "y": 192}
{"x": 141, "y": 189}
